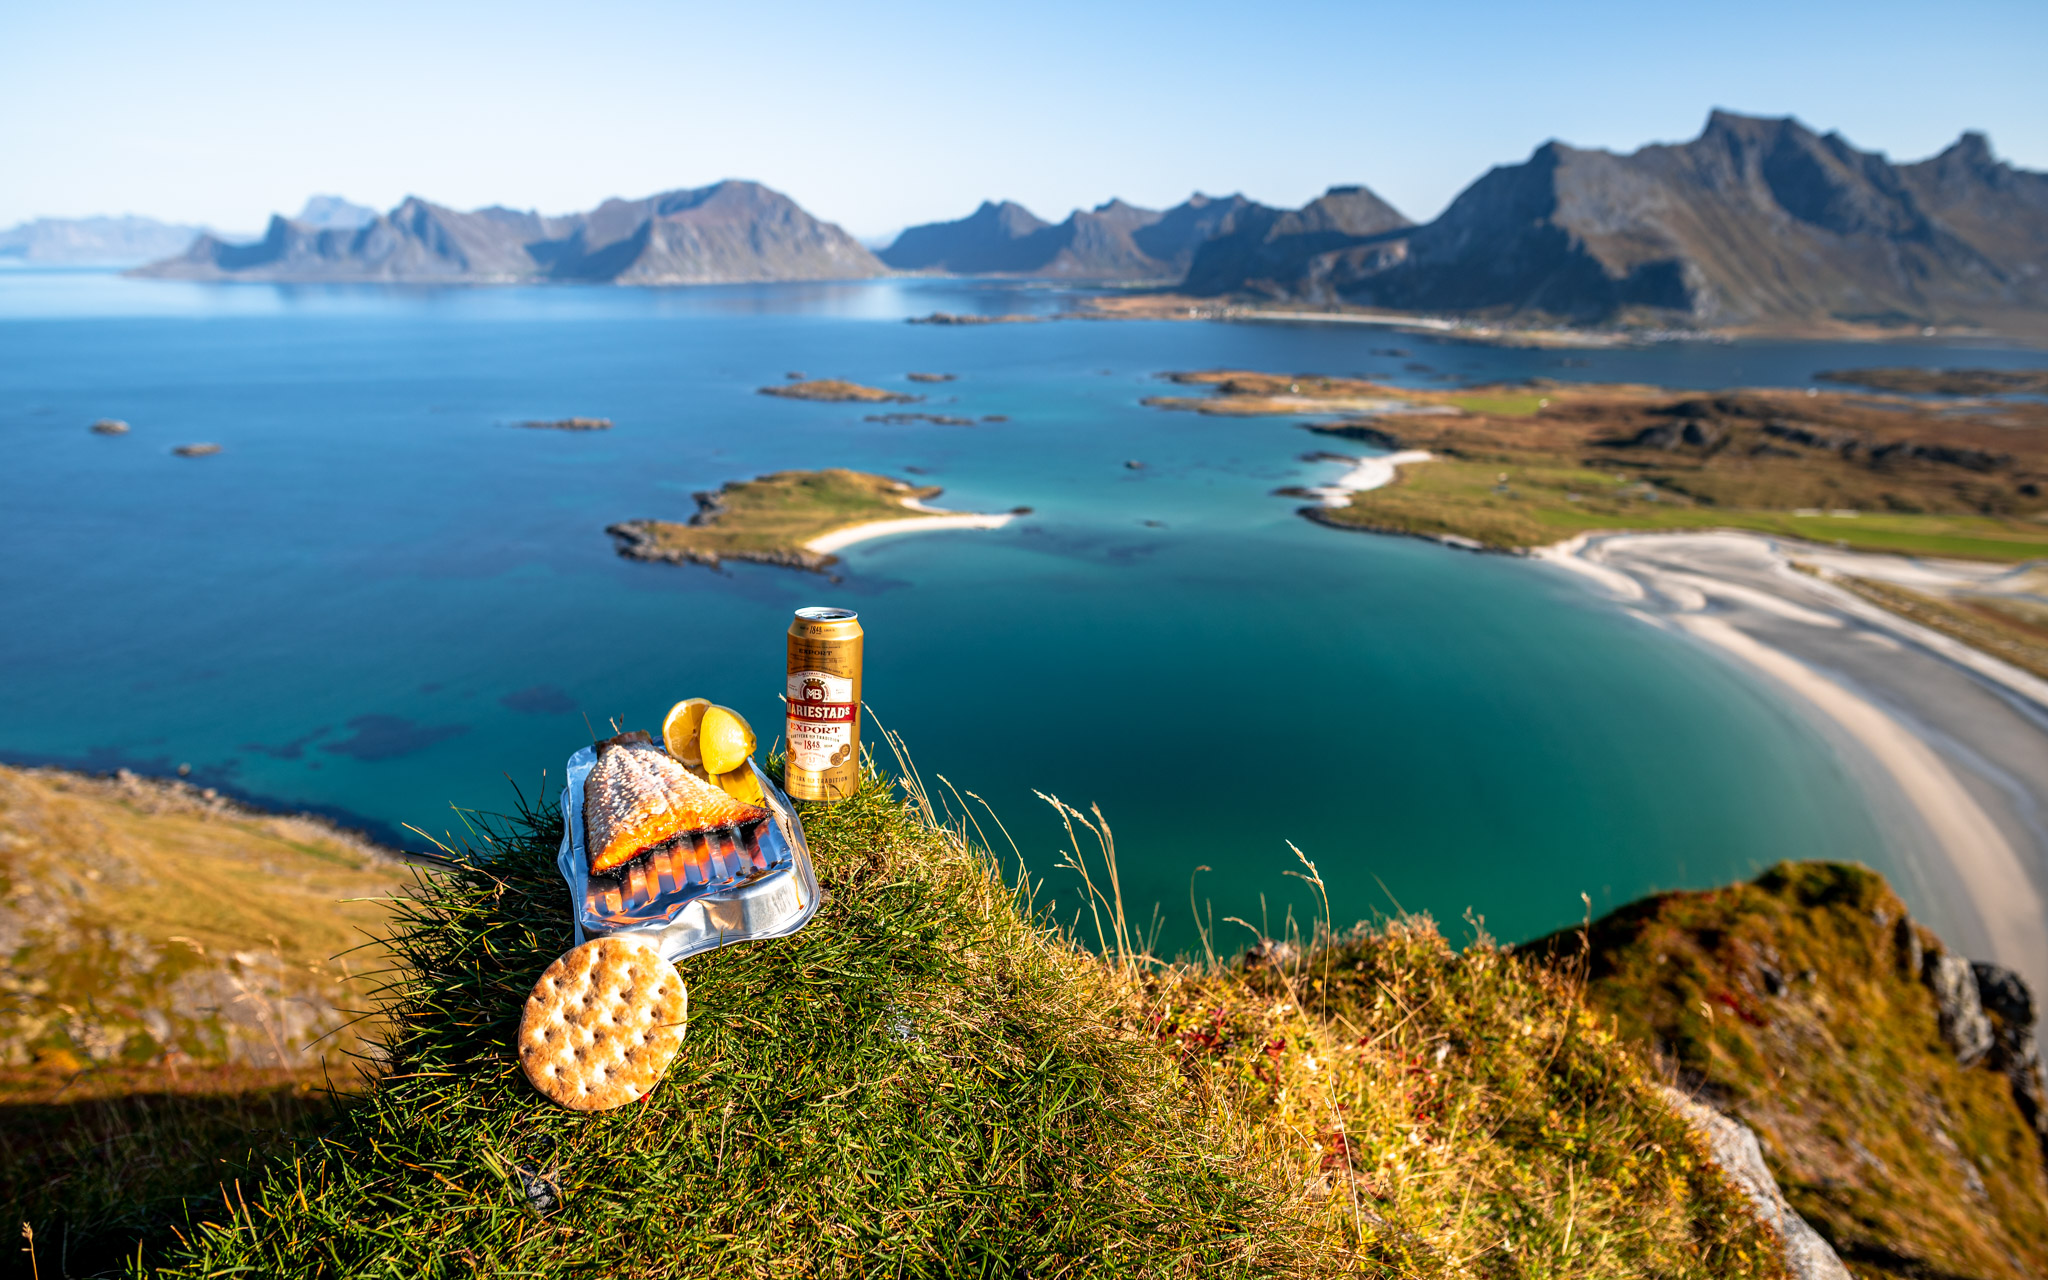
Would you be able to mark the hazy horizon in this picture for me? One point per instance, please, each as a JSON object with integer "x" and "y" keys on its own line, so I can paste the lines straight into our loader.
{"x": 910, "y": 118}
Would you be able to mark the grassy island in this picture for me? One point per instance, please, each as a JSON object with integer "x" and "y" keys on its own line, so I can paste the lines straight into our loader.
{"x": 793, "y": 518}
{"x": 1531, "y": 464}
{"x": 835, "y": 391}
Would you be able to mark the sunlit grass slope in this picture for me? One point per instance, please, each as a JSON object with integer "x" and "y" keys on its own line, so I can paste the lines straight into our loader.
{"x": 930, "y": 1081}
{"x": 174, "y": 996}
{"x": 144, "y": 919}
{"x": 1795, "y": 1003}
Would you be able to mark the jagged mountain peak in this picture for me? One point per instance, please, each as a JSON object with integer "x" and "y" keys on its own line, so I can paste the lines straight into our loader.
{"x": 1758, "y": 219}
{"x": 1115, "y": 240}
{"x": 1265, "y": 250}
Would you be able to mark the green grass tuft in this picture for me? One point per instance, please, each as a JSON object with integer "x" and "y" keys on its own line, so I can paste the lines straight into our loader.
{"x": 920, "y": 1083}
{"x": 931, "y": 1081}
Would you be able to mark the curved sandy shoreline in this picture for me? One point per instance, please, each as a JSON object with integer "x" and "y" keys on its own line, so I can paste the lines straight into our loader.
{"x": 1366, "y": 473}
{"x": 1958, "y": 739}
{"x": 840, "y": 539}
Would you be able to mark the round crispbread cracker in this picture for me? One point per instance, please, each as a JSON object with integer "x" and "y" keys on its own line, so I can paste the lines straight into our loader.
{"x": 603, "y": 1023}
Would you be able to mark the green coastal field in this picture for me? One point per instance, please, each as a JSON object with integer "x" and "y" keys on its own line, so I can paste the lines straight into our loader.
{"x": 1516, "y": 467}
{"x": 1536, "y": 505}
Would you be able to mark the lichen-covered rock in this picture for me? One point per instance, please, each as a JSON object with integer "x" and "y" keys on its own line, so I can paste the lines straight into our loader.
{"x": 1735, "y": 1148}
{"x": 1963, "y": 1024}
{"x": 1904, "y": 1160}
{"x": 1272, "y": 953}
{"x": 2009, "y": 1007}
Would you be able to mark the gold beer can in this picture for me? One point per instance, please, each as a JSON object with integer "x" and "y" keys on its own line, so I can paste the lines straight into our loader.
{"x": 822, "y": 724}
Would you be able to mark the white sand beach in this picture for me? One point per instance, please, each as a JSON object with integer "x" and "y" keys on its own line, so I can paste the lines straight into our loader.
{"x": 933, "y": 519}
{"x": 1950, "y": 743}
{"x": 1366, "y": 473}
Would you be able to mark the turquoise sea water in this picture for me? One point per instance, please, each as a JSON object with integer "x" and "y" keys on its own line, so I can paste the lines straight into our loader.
{"x": 378, "y": 599}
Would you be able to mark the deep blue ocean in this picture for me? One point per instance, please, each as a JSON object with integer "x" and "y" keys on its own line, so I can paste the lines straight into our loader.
{"x": 382, "y": 601}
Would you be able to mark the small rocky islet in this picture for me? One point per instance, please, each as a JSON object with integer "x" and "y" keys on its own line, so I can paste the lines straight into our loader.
{"x": 903, "y": 419}
{"x": 835, "y": 391}
{"x": 566, "y": 424}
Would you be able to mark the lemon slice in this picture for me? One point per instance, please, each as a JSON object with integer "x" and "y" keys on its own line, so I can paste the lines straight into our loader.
{"x": 724, "y": 740}
{"x": 679, "y": 730}
{"x": 742, "y": 785}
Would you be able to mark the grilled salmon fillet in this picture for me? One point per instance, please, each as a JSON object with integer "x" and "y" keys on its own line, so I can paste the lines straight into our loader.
{"x": 637, "y": 796}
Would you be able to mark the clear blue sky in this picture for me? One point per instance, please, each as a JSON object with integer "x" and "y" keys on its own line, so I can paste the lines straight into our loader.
{"x": 889, "y": 114}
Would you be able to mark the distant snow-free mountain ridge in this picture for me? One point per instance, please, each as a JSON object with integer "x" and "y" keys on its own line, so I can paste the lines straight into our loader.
{"x": 93, "y": 241}
{"x": 724, "y": 233}
{"x": 1113, "y": 241}
{"x": 1755, "y": 222}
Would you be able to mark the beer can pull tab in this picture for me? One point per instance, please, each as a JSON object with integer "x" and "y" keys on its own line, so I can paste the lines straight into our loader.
{"x": 823, "y": 704}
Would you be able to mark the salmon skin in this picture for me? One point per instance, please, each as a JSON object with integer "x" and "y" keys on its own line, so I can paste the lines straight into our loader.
{"x": 715, "y": 860}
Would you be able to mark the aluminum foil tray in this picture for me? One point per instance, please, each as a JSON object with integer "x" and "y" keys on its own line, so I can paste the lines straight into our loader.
{"x": 732, "y": 885}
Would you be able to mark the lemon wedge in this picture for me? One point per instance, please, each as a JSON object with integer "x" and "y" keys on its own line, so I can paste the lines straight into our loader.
{"x": 724, "y": 740}
{"x": 679, "y": 730}
{"x": 742, "y": 785}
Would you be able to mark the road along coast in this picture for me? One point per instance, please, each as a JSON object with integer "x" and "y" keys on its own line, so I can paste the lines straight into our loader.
{"x": 1950, "y": 744}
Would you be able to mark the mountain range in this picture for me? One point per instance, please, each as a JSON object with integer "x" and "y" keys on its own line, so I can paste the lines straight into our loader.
{"x": 130, "y": 241}
{"x": 1756, "y": 221}
{"x": 1113, "y": 241}
{"x": 726, "y": 232}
